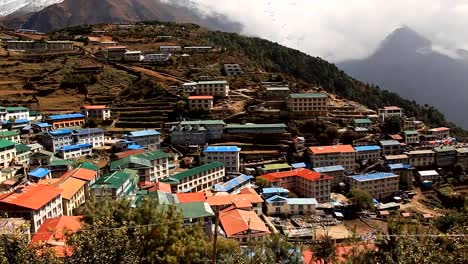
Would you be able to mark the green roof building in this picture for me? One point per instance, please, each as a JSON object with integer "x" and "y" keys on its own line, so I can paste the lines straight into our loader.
{"x": 199, "y": 178}
{"x": 115, "y": 185}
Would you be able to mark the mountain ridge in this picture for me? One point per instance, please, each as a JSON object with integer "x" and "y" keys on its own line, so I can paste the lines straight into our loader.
{"x": 406, "y": 63}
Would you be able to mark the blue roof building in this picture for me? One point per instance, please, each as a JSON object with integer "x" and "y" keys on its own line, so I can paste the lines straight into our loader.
{"x": 299, "y": 165}
{"x": 229, "y": 155}
{"x": 222, "y": 149}
{"x": 146, "y": 138}
{"x": 328, "y": 169}
{"x": 373, "y": 176}
{"x": 270, "y": 192}
{"x": 400, "y": 166}
{"x": 75, "y": 151}
{"x": 39, "y": 173}
{"x": 279, "y": 205}
{"x": 66, "y": 120}
{"x": 65, "y": 116}
{"x": 233, "y": 185}
{"x": 379, "y": 184}
{"x": 367, "y": 148}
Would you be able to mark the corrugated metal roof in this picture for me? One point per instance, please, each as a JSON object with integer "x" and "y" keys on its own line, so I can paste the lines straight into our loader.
{"x": 389, "y": 142}
{"x": 373, "y": 176}
{"x": 143, "y": 133}
{"x": 65, "y": 116}
{"x": 329, "y": 169}
{"x": 231, "y": 184}
{"x": 185, "y": 174}
{"x": 222, "y": 149}
{"x": 309, "y": 95}
{"x": 75, "y": 147}
{"x": 400, "y": 166}
{"x": 39, "y": 172}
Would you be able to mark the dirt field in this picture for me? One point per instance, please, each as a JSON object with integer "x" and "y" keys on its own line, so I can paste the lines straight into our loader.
{"x": 416, "y": 206}
{"x": 336, "y": 232}
{"x": 365, "y": 227}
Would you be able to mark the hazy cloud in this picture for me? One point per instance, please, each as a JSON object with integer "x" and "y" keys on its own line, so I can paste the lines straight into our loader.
{"x": 344, "y": 29}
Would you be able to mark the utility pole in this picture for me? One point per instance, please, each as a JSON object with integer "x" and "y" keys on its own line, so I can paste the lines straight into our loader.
{"x": 215, "y": 237}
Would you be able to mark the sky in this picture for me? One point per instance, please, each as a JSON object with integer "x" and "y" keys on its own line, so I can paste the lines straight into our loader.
{"x": 339, "y": 30}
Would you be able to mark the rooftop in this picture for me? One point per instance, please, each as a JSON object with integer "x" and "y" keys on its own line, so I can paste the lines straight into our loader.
{"x": 367, "y": 148}
{"x": 114, "y": 180}
{"x": 153, "y": 155}
{"x": 21, "y": 148}
{"x": 222, "y": 149}
{"x": 444, "y": 149}
{"x": 16, "y": 109}
{"x": 391, "y": 108}
{"x": 327, "y": 169}
{"x": 428, "y": 173}
{"x": 192, "y": 172}
{"x": 65, "y": 116}
{"x": 203, "y": 122}
{"x": 9, "y": 133}
{"x": 332, "y": 149}
{"x": 191, "y": 197}
{"x": 39, "y": 172}
{"x": 389, "y": 142}
{"x": 303, "y": 173}
{"x": 281, "y": 166}
{"x": 60, "y": 132}
{"x": 125, "y": 162}
{"x": 76, "y": 147}
{"x": 221, "y": 200}
{"x": 396, "y": 157}
{"x": 81, "y": 173}
{"x": 88, "y": 131}
{"x": 274, "y": 190}
{"x": 95, "y": 107}
{"x": 421, "y": 152}
{"x": 88, "y": 165}
{"x": 373, "y": 176}
{"x": 194, "y": 210}
{"x": 201, "y": 97}
{"x": 6, "y": 143}
{"x": 213, "y": 82}
{"x": 439, "y": 129}
{"x": 255, "y": 126}
{"x": 400, "y": 166}
{"x": 410, "y": 132}
{"x": 309, "y": 95}
{"x": 70, "y": 187}
{"x": 236, "y": 221}
{"x": 231, "y": 184}
{"x": 144, "y": 133}
{"x": 362, "y": 121}
{"x": 33, "y": 196}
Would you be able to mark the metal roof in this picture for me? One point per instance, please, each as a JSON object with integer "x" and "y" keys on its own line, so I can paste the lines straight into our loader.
{"x": 143, "y": 133}
{"x": 309, "y": 95}
{"x": 329, "y": 169}
{"x": 75, "y": 147}
{"x": 373, "y": 176}
{"x": 428, "y": 173}
{"x": 389, "y": 142}
{"x": 114, "y": 180}
{"x": 274, "y": 190}
{"x": 255, "y": 126}
{"x": 192, "y": 172}
{"x": 203, "y": 122}
{"x": 66, "y": 116}
{"x": 299, "y": 165}
{"x": 231, "y": 184}
{"x": 87, "y": 131}
{"x": 39, "y": 172}
{"x": 221, "y": 149}
{"x": 400, "y": 166}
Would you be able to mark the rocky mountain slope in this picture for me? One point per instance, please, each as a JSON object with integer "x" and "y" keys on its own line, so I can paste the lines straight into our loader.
{"x": 406, "y": 63}
{"x": 11, "y": 6}
{"x": 76, "y": 12}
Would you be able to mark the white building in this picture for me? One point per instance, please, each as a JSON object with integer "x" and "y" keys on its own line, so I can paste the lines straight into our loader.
{"x": 101, "y": 112}
{"x": 34, "y": 203}
{"x": 157, "y": 57}
{"x": 411, "y": 137}
{"x": 189, "y": 88}
{"x": 56, "y": 139}
{"x": 160, "y": 162}
{"x": 146, "y": 138}
{"x": 389, "y": 112}
{"x": 17, "y": 112}
{"x": 315, "y": 103}
{"x": 75, "y": 151}
{"x": 379, "y": 184}
{"x": 201, "y": 102}
{"x": 428, "y": 175}
{"x": 197, "y": 179}
{"x": 170, "y": 48}
{"x": 7, "y": 152}
{"x": 93, "y": 136}
{"x": 12, "y": 135}
{"x": 133, "y": 56}
{"x": 213, "y": 88}
{"x": 228, "y": 155}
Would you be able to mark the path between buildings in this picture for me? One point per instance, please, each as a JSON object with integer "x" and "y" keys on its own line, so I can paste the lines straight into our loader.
{"x": 159, "y": 75}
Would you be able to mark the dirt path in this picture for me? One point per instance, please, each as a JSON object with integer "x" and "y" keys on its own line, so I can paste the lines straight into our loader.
{"x": 417, "y": 206}
{"x": 158, "y": 75}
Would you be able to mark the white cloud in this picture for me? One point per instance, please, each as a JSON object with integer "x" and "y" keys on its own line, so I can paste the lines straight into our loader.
{"x": 344, "y": 29}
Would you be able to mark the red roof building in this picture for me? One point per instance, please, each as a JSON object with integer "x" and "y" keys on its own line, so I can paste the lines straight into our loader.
{"x": 323, "y": 156}
{"x": 191, "y": 197}
{"x": 243, "y": 225}
{"x": 201, "y": 102}
{"x": 53, "y": 233}
{"x": 34, "y": 202}
{"x": 127, "y": 153}
{"x": 304, "y": 182}
{"x": 246, "y": 199}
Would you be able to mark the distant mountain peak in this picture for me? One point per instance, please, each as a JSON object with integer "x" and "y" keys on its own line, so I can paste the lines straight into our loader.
{"x": 405, "y": 38}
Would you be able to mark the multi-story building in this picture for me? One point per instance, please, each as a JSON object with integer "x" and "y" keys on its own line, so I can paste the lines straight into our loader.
{"x": 368, "y": 153}
{"x": 170, "y": 48}
{"x": 157, "y": 57}
{"x": 200, "y": 102}
{"x": 411, "y": 137}
{"x": 160, "y": 162}
{"x": 362, "y": 122}
{"x": 197, "y": 179}
{"x": 144, "y": 168}
{"x": 390, "y": 147}
{"x": 405, "y": 171}
{"x": 146, "y": 138}
{"x": 428, "y": 175}
{"x": 101, "y": 112}
{"x": 379, "y": 185}
{"x": 198, "y": 48}
{"x": 281, "y": 92}
{"x": 116, "y": 52}
{"x": 243, "y": 225}
{"x": 60, "y": 45}
{"x": 437, "y": 133}
{"x": 462, "y": 157}
{"x": 214, "y": 128}
{"x": 311, "y": 103}
{"x": 304, "y": 182}
{"x": 213, "y": 88}
{"x": 93, "y": 136}
{"x": 65, "y": 120}
{"x": 188, "y": 135}
{"x": 421, "y": 158}
{"x": 232, "y": 69}
{"x": 445, "y": 156}
{"x": 34, "y": 203}
{"x": 389, "y": 112}
{"x": 17, "y": 112}
{"x": 395, "y": 159}
{"x": 228, "y": 155}
{"x": 133, "y": 56}
{"x": 7, "y": 152}
{"x": 75, "y": 151}
{"x": 256, "y": 128}
{"x": 283, "y": 206}
{"x": 337, "y": 172}
{"x": 56, "y": 139}
{"x": 23, "y": 153}
{"x": 11, "y": 135}
{"x": 189, "y": 88}
{"x": 247, "y": 198}
{"x": 344, "y": 155}
{"x": 115, "y": 185}
{"x": 73, "y": 194}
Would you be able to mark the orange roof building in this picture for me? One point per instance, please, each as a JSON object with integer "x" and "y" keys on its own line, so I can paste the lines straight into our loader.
{"x": 86, "y": 175}
{"x": 34, "y": 202}
{"x": 242, "y": 225}
{"x": 323, "y": 156}
{"x": 304, "y": 182}
{"x": 191, "y": 197}
{"x": 201, "y": 102}
{"x": 53, "y": 233}
{"x": 96, "y": 111}
{"x": 244, "y": 200}
{"x": 73, "y": 194}
{"x": 127, "y": 153}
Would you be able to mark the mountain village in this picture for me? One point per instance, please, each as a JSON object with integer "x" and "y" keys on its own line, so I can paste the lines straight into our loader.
{"x": 221, "y": 144}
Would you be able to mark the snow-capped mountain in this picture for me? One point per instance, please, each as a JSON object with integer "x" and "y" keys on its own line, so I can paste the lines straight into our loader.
{"x": 10, "y": 6}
